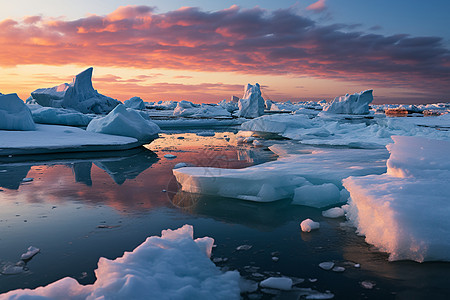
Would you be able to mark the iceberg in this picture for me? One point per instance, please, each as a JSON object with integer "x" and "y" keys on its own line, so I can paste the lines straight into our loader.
{"x": 356, "y": 104}
{"x": 252, "y": 103}
{"x": 405, "y": 211}
{"x": 58, "y": 116}
{"x": 78, "y": 95}
{"x": 172, "y": 266}
{"x": 135, "y": 103}
{"x": 125, "y": 122}
{"x": 14, "y": 114}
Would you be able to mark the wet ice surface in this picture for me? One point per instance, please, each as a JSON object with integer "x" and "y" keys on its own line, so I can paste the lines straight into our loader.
{"x": 77, "y": 209}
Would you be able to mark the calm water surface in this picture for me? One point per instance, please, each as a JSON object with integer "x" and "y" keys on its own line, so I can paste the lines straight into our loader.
{"x": 79, "y": 207}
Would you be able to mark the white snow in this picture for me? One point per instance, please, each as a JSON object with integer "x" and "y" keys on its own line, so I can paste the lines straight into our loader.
{"x": 356, "y": 104}
{"x": 252, "y": 103}
{"x": 405, "y": 211}
{"x": 279, "y": 283}
{"x": 125, "y": 122}
{"x": 14, "y": 114}
{"x": 135, "y": 103}
{"x": 59, "y": 116}
{"x": 308, "y": 225}
{"x": 54, "y": 138}
{"x": 173, "y": 266}
{"x": 78, "y": 95}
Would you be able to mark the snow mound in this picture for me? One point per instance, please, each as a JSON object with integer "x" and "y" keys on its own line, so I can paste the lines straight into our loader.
{"x": 78, "y": 95}
{"x": 135, "y": 103}
{"x": 14, "y": 114}
{"x": 356, "y": 104}
{"x": 405, "y": 211}
{"x": 59, "y": 116}
{"x": 125, "y": 122}
{"x": 252, "y": 103}
{"x": 173, "y": 266}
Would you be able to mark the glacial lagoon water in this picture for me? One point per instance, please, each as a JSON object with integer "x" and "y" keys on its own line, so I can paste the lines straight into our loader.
{"x": 79, "y": 207}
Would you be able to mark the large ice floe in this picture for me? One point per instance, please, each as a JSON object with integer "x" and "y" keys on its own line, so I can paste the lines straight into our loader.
{"x": 405, "y": 211}
{"x": 173, "y": 266}
{"x": 14, "y": 114}
{"x": 58, "y": 139}
{"x": 356, "y": 104}
{"x": 78, "y": 95}
{"x": 135, "y": 103}
{"x": 318, "y": 170}
{"x": 125, "y": 122}
{"x": 252, "y": 103}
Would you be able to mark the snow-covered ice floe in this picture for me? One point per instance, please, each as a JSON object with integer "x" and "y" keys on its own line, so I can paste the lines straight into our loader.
{"x": 59, "y": 116}
{"x": 56, "y": 139}
{"x": 362, "y": 133}
{"x": 173, "y": 266}
{"x": 189, "y": 109}
{"x": 288, "y": 176}
{"x": 405, "y": 211}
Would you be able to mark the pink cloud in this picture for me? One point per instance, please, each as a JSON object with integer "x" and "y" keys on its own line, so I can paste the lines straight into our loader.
{"x": 317, "y": 6}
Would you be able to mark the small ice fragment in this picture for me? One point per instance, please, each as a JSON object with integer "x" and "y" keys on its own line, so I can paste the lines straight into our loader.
{"x": 180, "y": 165}
{"x": 10, "y": 269}
{"x": 338, "y": 269}
{"x": 32, "y": 251}
{"x": 248, "y": 286}
{"x": 335, "y": 212}
{"x": 279, "y": 283}
{"x": 367, "y": 284}
{"x": 180, "y": 137}
{"x": 257, "y": 275}
{"x": 170, "y": 156}
{"x": 275, "y": 259}
{"x": 27, "y": 179}
{"x": 163, "y": 191}
{"x": 308, "y": 225}
{"x": 326, "y": 295}
{"x": 217, "y": 260}
{"x": 206, "y": 133}
{"x": 244, "y": 247}
{"x": 326, "y": 265}
{"x": 296, "y": 280}
{"x": 357, "y": 266}
{"x": 312, "y": 280}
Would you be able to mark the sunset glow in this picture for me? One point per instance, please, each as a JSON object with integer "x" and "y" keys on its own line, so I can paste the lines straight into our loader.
{"x": 205, "y": 56}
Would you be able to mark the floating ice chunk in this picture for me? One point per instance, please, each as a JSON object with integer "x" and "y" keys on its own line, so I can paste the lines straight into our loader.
{"x": 125, "y": 122}
{"x": 338, "y": 269}
{"x": 279, "y": 283}
{"x": 14, "y": 114}
{"x": 206, "y": 133}
{"x": 317, "y": 195}
{"x": 189, "y": 109}
{"x": 405, "y": 211}
{"x": 11, "y": 269}
{"x": 368, "y": 284}
{"x": 59, "y": 116}
{"x": 173, "y": 266}
{"x": 135, "y": 103}
{"x": 326, "y": 265}
{"x": 335, "y": 212}
{"x": 252, "y": 103}
{"x": 31, "y": 251}
{"x": 244, "y": 247}
{"x": 356, "y": 104}
{"x": 170, "y": 156}
{"x": 308, "y": 225}
{"x": 248, "y": 286}
{"x": 320, "y": 296}
{"x": 179, "y": 165}
{"x": 29, "y": 179}
{"x": 230, "y": 106}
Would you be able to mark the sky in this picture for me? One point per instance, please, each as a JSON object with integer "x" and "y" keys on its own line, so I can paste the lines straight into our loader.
{"x": 206, "y": 51}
